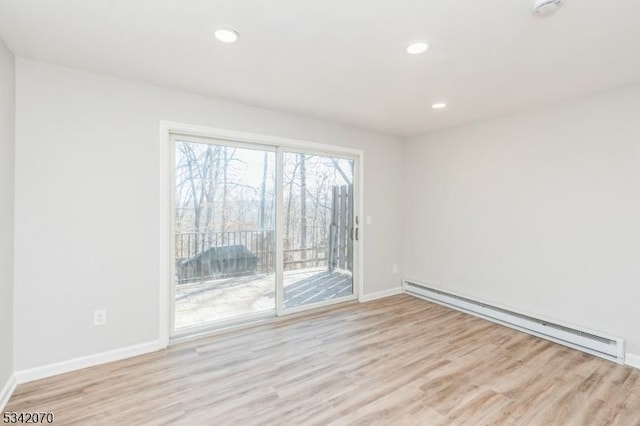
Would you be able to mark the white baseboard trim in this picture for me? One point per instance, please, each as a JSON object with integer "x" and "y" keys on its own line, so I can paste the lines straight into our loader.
{"x": 37, "y": 373}
{"x": 632, "y": 360}
{"x": 381, "y": 294}
{"x": 7, "y": 391}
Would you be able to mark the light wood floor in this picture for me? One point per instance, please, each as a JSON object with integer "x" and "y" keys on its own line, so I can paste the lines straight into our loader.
{"x": 396, "y": 361}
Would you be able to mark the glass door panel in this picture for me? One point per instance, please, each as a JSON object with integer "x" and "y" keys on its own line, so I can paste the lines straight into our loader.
{"x": 318, "y": 229}
{"x": 224, "y": 224}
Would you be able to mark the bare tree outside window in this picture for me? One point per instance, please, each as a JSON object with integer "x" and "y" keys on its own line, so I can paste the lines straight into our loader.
{"x": 219, "y": 205}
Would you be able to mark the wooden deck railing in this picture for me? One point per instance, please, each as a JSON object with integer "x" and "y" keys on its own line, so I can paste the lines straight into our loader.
{"x": 261, "y": 243}
{"x": 189, "y": 246}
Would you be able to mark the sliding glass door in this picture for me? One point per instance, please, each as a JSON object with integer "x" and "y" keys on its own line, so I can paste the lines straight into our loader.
{"x": 318, "y": 240}
{"x": 259, "y": 230}
{"x": 224, "y": 232}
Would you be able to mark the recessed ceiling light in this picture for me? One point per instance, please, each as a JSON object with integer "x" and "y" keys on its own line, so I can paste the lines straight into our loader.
{"x": 417, "y": 47}
{"x": 439, "y": 105}
{"x": 226, "y": 35}
{"x": 544, "y": 8}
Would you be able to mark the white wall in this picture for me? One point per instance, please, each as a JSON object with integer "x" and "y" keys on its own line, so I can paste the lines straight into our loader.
{"x": 7, "y": 160}
{"x": 88, "y": 203}
{"x": 537, "y": 211}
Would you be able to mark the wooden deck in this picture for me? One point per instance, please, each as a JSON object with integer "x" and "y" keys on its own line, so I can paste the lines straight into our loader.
{"x": 395, "y": 361}
{"x": 200, "y": 303}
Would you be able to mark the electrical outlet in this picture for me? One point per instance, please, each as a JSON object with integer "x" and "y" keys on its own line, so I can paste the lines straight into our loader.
{"x": 100, "y": 317}
{"x": 394, "y": 269}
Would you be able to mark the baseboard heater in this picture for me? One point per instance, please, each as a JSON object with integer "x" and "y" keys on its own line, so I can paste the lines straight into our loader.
{"x": 606, "y": 347}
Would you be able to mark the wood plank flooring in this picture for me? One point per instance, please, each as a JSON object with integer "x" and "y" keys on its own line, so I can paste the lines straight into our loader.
{"x": 396, "y": 361}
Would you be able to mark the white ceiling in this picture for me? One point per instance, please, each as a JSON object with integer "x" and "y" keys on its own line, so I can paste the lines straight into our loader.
{"x": 344, "y": 60}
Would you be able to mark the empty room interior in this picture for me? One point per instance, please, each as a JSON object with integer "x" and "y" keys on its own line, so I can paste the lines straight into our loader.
{"x": 320, "y": 212}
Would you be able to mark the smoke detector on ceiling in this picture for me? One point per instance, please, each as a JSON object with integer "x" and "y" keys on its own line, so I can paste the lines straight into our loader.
{"x": 544, "y": 8}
